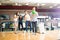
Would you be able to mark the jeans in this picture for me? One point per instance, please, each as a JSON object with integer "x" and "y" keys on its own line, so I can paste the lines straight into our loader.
{"x": 20, "y": 23}
{"x": 34, "y": 25}
{"x": 28, "y": 23}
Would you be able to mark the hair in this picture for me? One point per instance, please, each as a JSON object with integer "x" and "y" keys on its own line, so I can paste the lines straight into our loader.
{"x": 16, "y": 13}
{"x": 25, "y": 10}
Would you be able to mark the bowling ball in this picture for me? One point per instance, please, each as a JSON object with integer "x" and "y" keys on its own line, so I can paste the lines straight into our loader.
{"x": 33, "y": 12}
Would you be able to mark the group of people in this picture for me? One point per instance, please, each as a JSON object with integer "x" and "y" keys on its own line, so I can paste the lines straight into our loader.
{"x": 29, "y": 18}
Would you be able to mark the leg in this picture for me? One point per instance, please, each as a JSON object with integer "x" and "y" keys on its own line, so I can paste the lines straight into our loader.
{"x": 30, "y": 26}
{"x": 22, "y": 25}
{"x": 16, "y": 25}
{"x": 33, "y": 26}
{"x": 19, "y": 26}
{"x": 26, "y": 25}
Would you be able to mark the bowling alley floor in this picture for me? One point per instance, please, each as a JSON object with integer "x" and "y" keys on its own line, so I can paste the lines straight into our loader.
{"x": 22, "y": 35}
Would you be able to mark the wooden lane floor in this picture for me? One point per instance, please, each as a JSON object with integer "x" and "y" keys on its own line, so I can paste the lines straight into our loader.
{"x": 21, "y": 35}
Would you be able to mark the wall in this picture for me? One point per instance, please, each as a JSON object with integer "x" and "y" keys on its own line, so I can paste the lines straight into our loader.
{"x": 12, "y": 12}
{"x": 52, "y": 14}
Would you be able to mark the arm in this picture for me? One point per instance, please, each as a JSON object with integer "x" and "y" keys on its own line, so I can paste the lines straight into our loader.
{"x": 25, "y": 17}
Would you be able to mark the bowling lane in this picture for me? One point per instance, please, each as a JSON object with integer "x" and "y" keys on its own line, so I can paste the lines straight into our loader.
{"x": 21, "y": 35}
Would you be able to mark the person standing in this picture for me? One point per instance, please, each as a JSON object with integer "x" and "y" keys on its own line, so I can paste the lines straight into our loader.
{"x": 27, "y": 20}
{"x": 15, "y": 19}
{"x": 20, "y": 19}
{"x": 34, "y": 20}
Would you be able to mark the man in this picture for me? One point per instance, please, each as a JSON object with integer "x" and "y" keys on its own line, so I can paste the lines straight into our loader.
{"x": 34, "y": 16}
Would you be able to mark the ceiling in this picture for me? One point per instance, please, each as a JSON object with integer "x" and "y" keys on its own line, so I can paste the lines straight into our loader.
{"x": 38, "y": 3}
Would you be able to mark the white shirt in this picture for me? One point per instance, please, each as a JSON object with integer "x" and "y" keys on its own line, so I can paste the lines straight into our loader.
{"x": 15, "y": 19}
{"x": 27, "y": 17}
{"x": 34, "y": 16}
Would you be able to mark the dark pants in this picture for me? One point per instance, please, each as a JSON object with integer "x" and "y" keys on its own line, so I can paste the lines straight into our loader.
{"x": 34, "y": 25}
{"x": 28, "y": 23}
{"x": 20, "y": 23}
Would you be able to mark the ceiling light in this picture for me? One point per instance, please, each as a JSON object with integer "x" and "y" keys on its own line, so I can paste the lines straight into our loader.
{"x": 16, "y": 3}
{"x": 43, "y": 4}
{"x": 37, "y": 4}
{"x": 0, "y": 3}
{"x": 55, "y": 4}
{"x": 58, "y": 7}
{"x": 51, "y": 7}
{"x": 26, "y": 4}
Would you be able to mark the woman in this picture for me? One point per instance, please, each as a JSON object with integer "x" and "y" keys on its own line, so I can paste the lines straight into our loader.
{"x": 15, "y": 19}
{"x": 20, "y": 22}
{"x": 27, "y": 19}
